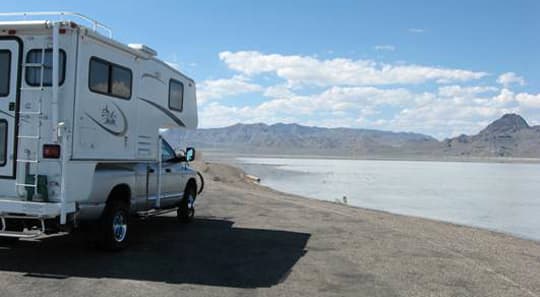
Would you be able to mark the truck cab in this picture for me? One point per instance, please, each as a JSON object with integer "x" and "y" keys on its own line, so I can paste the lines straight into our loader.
{"x": 142, "y": 190}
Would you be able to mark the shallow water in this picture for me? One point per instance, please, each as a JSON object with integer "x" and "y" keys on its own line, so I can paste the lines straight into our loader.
{"x": 502, "y": 197}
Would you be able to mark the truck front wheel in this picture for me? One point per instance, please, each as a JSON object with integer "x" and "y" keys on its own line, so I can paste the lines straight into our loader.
{"x": 186, "y": 209}
{"x": 114, "y": 226}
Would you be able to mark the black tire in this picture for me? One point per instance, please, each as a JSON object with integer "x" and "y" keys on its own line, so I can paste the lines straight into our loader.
{"x": 186, "y": 211}
{"x": 114, "y": 226}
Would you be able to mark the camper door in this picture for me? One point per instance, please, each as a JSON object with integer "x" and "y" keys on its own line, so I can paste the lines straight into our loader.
{"x": 9, "y": 79}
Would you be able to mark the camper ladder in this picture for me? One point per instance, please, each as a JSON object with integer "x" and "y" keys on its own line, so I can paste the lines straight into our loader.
{"x": 25, "y": 119}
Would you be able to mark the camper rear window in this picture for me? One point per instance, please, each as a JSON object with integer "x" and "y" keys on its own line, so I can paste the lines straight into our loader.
{"x": 33, "y": 72}
{"x": 5, "y": 70}
{"x": 109, "y": 79}
{"x": 176, "y": 95}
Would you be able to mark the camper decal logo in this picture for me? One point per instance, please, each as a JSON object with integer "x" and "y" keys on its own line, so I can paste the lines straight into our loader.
{"x": 109, "y": 117}
{"x": 165, "y": 111}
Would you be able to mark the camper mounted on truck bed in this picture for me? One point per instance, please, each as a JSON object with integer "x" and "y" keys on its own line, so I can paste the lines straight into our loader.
{"x": 80, "y": 115}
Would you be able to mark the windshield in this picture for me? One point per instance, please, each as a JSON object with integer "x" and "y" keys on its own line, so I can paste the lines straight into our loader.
{"x": 167, "y": 153}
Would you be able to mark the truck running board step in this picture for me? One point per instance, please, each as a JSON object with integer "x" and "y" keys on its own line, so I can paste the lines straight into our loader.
{"x": 155, "y": 212}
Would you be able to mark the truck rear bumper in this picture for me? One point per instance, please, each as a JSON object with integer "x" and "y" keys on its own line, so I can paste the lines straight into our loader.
{"x": 29, "y": 210}
{"x": 34, "y": 209}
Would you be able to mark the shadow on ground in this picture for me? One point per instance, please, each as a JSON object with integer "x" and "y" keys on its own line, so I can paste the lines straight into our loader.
{"x": 208, "y": 252}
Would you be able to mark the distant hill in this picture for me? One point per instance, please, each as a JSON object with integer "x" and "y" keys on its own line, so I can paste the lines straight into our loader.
{"x": 509, "y": 136}
{"x": 297, "y": 139}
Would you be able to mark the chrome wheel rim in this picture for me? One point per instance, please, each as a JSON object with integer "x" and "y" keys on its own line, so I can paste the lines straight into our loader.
{"x": 119, "y": 227}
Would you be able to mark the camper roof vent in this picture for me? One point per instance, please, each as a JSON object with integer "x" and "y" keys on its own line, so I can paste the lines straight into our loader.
{"x": 143, "y": 48}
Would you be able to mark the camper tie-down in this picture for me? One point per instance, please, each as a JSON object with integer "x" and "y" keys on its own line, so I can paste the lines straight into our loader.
{"x": 80, "y": 115}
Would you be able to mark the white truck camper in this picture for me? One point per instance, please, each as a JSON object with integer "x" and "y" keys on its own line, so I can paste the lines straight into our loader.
{"x": 80, "y": 115}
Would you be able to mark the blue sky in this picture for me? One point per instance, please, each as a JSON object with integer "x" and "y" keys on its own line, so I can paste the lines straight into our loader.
{"x": 436, "y": 68}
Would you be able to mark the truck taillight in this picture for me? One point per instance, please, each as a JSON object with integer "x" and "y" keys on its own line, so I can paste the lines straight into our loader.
{"x": 51, "y": 151}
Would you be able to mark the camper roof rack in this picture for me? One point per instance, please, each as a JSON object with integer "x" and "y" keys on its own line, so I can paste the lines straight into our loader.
{"x": 62, "y": 16}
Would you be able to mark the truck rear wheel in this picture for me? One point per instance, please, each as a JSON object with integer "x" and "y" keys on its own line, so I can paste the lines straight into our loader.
{"x": 186, "y": 210}
{"x": 114, "y": 226}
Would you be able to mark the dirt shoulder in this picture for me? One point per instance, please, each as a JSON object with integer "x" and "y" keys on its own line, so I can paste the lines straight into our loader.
{"x": 249, "y": 240}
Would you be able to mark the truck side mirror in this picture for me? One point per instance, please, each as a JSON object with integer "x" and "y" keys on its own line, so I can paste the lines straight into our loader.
{"x": 190, "y": 154}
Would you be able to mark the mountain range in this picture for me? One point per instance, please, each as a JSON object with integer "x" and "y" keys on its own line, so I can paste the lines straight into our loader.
{"x": 509, "y": 136}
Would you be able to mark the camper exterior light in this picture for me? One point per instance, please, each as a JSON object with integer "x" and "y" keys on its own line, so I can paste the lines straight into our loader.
{"x": 51, "y": 151}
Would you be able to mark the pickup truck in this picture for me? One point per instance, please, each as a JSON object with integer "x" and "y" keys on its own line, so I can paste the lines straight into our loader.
{"x": 122, "y": 191}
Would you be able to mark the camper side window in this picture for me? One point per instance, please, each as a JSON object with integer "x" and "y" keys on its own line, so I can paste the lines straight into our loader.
{"x": 176, "y": 95}
{"x": 109, "y": 79}
{"x": 33, "y": 71}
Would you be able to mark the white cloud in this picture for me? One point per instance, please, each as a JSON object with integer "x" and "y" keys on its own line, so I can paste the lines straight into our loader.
{"x": 443, "y": 119}
{"x": 220, "y": 88}
{"x": 359, "y": 93}
{"x": 416, "y": 30}
{"x": 277, "y": 91}
{"x": 218, "y": 115}
{"x": 437, "y": 114}
{"x": 305, "y": 70}
{"x": 385, "y": 47}
{"x": 459, "y": 91}
{"x": 354, "y": 100}
{"x": 528, "y": 100}
{"x": 509, "y": 78}
{"x": 361, "y": 96}
{"x": 336, "y": 101}
{"x": 505, "y": 97}
{"x": 465, "y": 111}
